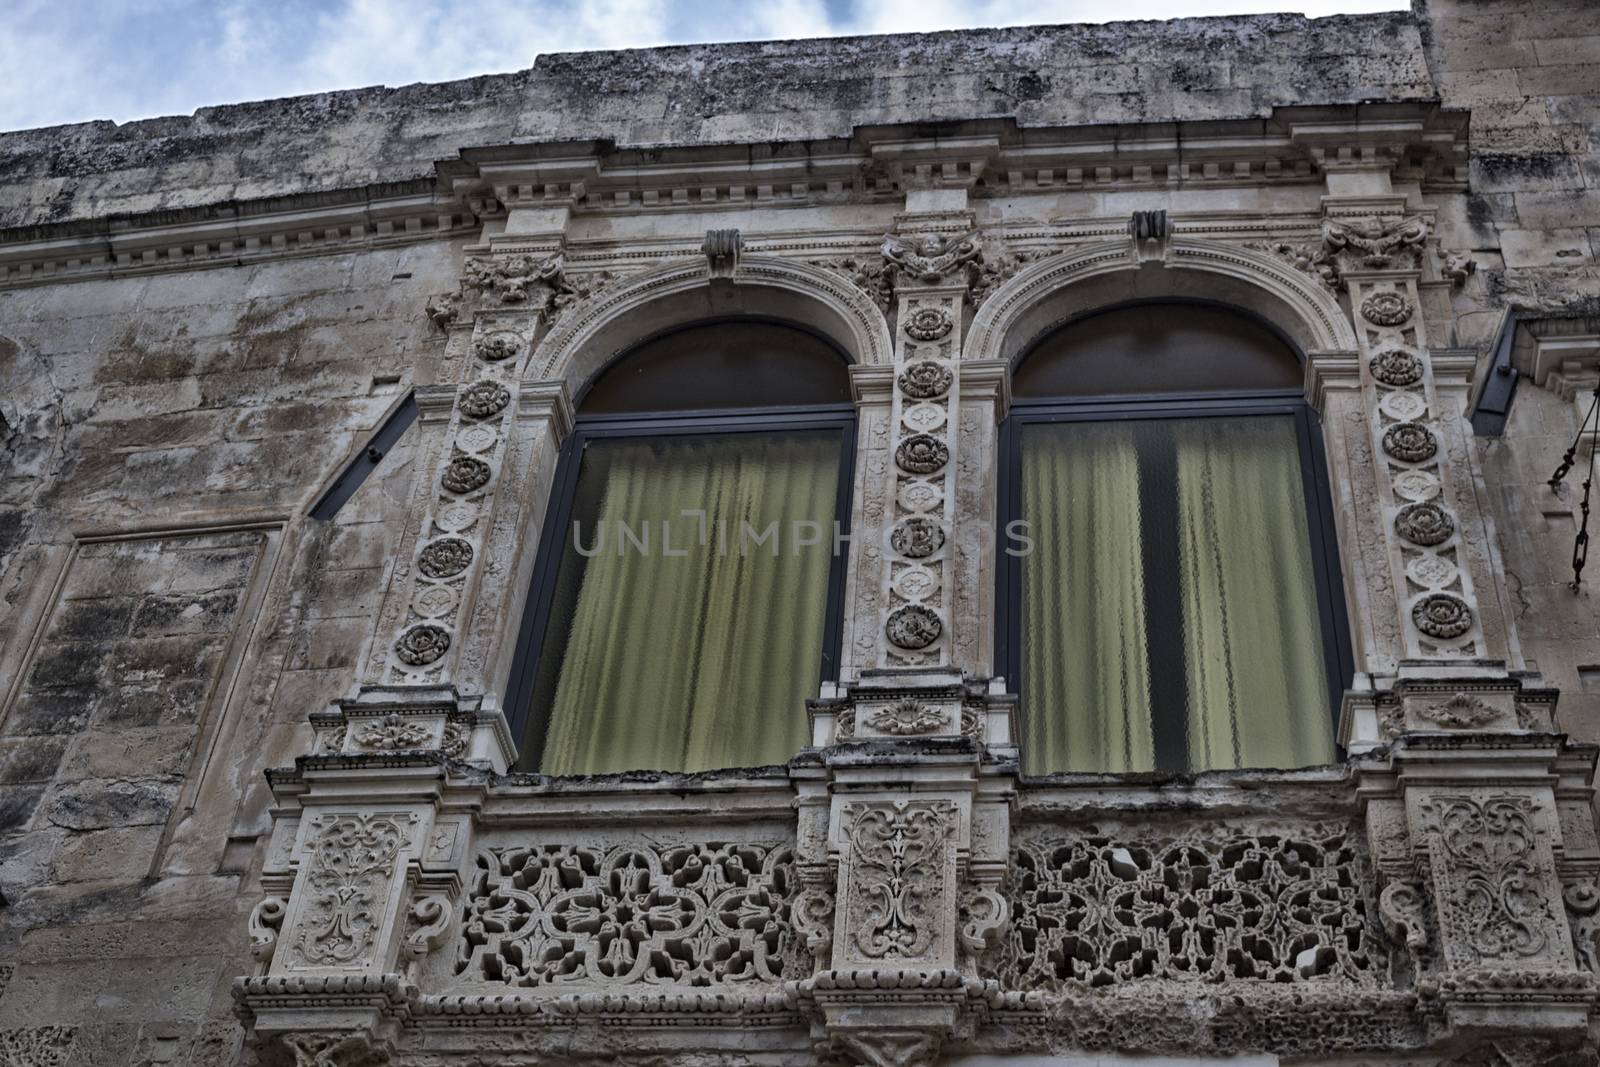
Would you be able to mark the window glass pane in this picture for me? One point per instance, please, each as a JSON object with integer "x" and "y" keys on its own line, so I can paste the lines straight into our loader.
{"x": 735, "y": 364}
{"x": 680, "y": 645}
{"x": 1169, "y": 606}
{"x": 1157, "y": 348}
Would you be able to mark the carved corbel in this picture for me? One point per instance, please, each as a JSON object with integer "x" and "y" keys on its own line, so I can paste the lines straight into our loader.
{"x": 1150, "y": 231}
{"x": 266, "y": 919}
{"x": 722, "y": 248}
{"x": 1403, "y": 908}
{"x": 336, "y": 1050}
{"x": 889, "y": 1048}
{"x": 931, "y": 257}
{"x": 429, "y": 920}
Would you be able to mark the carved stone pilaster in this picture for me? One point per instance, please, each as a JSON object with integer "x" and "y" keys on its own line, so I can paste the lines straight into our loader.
{"x": 916, "y": 828}
{"x": 1468, "y": 832}
{"x": 918, "y": 581}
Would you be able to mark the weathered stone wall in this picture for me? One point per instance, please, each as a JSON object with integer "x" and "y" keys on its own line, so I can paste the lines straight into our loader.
{"x": 173, "y": 665}
{"x": 762, "y": 93}
{"x": 168, "y": 614}
{"x": 1530, "y": 75}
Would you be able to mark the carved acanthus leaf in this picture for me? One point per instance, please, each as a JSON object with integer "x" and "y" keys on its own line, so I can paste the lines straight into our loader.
{"x": 1459, "y": 712}
{"x": 907, "y": 718}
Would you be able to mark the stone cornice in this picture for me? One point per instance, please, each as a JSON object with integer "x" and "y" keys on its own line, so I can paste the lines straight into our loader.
{"x": 989, "y": 157}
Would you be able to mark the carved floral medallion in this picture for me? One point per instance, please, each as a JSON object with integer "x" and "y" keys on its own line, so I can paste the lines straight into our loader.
{"x": 928, "y": 323}
{"x": 913, "y": 626}
{"x": 925, "y": 380}
{"x": 464, "y": 474}
{"x": 1410, "y": 442}
{"x": 497, "y": 346}
{"x": 1396, "y": 367}
{"x": 445, "y": 557}
{"x": 1386, "y": 308}
{"x": 907, "y": 718}
{"x": 1441, "y": 615}
{"x": 393, "y": 732}
{"x": 422, "y": 645}
{"x": 483, "y": 399}
{"x": 1425, "y": 523}
{"x": 917, "y": 537}
{"x": 922, "y": 454}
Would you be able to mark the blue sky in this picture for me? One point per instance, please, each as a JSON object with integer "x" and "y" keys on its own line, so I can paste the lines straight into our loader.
{"x": 75, "y": 60}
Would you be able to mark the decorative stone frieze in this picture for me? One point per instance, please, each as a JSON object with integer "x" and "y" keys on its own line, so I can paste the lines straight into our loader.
{"x": 1229, "y": 905}
{"x": 565, "y": 915}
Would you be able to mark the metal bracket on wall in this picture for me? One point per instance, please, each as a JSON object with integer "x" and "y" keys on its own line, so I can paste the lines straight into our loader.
{"x": 367, "y": 460}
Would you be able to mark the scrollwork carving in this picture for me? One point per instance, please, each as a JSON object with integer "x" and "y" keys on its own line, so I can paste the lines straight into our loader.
{"x": 930, "y": 257}
{"x": 393, "y": 733}
{"x": 335, "y": 1050}
{"x": 897, "y": 876}
{"x": 347, "y": 878}
{"x": 691, "y": 914}
{"x": 1375, "y": 243}
{"x": 429, "y": 919}
{"x": 985, "y": 920}
{"x": 1403, "y": 908}
{"x": 907, "y": 718}
{"x": 1582, "y": 900}
{"x": 266, "y": 918}
{"x": 1461, "y": 712}
{"x": 1489, "y": 875}
{"x": 1213, "y": 906}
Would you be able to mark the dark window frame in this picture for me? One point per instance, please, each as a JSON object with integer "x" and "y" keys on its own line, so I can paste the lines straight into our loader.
{"x": 536, "y": 614}
{"x": 1338, "y": 658}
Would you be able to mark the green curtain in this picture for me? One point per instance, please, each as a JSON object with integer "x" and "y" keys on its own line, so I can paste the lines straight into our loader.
{"x": 1237, "y": 638}
{"x": 1257, "y": 691}
{"x": 1086, "y": 675}
{"x": 702, "y": 660}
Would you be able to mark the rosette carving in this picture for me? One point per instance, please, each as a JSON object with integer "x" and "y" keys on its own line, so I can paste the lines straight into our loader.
{"x": 924, "y": 380}
{"x": 928, "y": 323}
{"x": 464, "y": 474}
{"x": 1442, "y": 615}
{"x": 1386, "y": 308}
{"x": 1410, "y": 442}
{"x": 921, "y": 454}
{"x": 497, "y": 347}
{"x": 482, "y": 399}
{"x": 1397, "y": 367}
{"x": 917, "y": 537}
{"x": 1424, "y": 524}
{"x": 913, "y": 626}
{"x": 445, "y": 558}
{"x": 422, "y": 645}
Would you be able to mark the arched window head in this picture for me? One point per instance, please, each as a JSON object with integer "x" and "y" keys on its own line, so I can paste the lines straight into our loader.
{"x": 1175, "y": 606}
{"x": 687, "y": 596}
{"x": 1153, "y": 349}
{"x": 733, "y": 364}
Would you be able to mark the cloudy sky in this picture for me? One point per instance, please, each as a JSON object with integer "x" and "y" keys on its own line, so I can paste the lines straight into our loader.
{"x": 74, "y": 60}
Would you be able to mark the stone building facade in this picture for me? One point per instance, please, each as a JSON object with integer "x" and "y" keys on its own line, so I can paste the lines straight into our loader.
{"x": 258, "y": 796}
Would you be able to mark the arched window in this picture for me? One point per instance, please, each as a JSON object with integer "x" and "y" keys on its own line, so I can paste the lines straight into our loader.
{"x": 1175, "y": 605}
{"x": 687, "y": 596}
